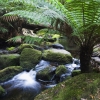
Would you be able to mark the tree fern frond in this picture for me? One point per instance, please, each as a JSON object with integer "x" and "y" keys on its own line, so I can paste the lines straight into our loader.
{"x": 3, "y": 29}
{"x": 25, "y": 39}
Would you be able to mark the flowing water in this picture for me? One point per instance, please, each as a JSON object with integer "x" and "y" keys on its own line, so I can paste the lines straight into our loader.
{"x": 24, "y": 86}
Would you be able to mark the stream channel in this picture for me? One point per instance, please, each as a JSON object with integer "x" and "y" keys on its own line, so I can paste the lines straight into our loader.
{"x": 25, "y": 86}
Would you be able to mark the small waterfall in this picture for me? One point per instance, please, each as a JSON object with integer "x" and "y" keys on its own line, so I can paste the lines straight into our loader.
{"x": 70, "y": 67}
{"x": 75, "y": 65}
{"x": 43, "y": 64}
{"x": 23, "y": 86}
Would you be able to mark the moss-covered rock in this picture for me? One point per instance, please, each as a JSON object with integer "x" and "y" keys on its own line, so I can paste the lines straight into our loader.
{"x": 81, "y": 87}
{"x": 2, "y": 91}
{"x": 46, "y": 73}
{"x": 61, "y": 69}
{"x": 9, "y": 60}
{"x": 9, "y": 72}
{"x": 76, "y": 72}
{"x": 29, "y": 58}
{"x": 22, "y": 46}
{"x": 57, "y": 55}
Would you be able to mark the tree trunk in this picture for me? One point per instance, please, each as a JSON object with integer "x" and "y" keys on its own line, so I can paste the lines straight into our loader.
{"x": 85, "y": 57}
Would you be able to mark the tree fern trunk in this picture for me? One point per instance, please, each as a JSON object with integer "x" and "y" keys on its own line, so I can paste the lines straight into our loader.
{"x": 85, "y": 57}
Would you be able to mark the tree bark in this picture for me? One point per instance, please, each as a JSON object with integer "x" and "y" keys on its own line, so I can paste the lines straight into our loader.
{"x": 85, "y": 57}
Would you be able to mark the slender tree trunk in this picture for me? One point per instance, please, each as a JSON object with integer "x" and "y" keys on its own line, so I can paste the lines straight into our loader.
{"x": 85, "y": 57}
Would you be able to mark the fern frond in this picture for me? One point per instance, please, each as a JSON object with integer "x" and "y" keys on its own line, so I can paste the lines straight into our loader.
{"x": 25, "y": 39}
{"x": 3, "y": 29}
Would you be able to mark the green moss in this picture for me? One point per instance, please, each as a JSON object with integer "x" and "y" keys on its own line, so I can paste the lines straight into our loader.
{"x": 10, "y": 48}
{"x": 45, "y": 73}
{"x": 85, "y": 86}
{"x": 9, "y": 60}
{"x": 76, "y": 72}
{"x": 57, "y": 57}
{"x": 61, "y": 69}
{"x": 30, "y": 57}
{"x": 2, "y": 91}
{"x": 9, "y": 72}
{"x": 22, "y": 46}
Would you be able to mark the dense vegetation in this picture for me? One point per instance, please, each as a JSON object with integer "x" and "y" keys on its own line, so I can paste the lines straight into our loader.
{"x": 81, "y": 18}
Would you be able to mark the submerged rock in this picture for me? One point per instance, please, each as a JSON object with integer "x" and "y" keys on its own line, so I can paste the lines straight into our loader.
{"x": 57, "y": 46}
{"x": 61, "y": 69}
{"x": 46, "y": 74}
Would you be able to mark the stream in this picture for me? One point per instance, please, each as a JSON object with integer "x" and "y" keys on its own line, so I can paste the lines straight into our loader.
{"x": 25, "y": 86}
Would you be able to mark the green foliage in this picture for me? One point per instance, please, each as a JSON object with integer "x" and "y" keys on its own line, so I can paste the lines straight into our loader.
{"x": 84, "y": 17}
{"x": 34, "y": 11}
{"x": 3, "y": 30}
{"x": 25, "y": 39}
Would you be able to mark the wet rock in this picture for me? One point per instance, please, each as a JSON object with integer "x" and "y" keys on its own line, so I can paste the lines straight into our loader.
{"x": 57, "y": 46}
{"x": 46, "y": 74}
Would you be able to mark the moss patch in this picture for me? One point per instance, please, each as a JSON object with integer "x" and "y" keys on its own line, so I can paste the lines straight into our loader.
{"x": 61, "y": 69}
{"x": 9, "y": 60}
{"x": 22, "y": 46}
{"x": 45, "y": 74}
{"x": 29, "y": 58}
{"x": 10, "y": 48}
{"x": 76, "y": 72}
{"x": 57, "y": 56}
{"x": 2, "y": 91}
{"x": 9, "y": 72}
{"x": 85, "y": 86}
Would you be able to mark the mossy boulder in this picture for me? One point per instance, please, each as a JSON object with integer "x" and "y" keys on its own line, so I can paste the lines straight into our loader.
{"x": 57, "y": 55}
{"x": 76, "y": 72}
{"x": 61, "y": 69}
{"x": 9, "y": 60}
{"x": 2, "y": 91}
{"x": 81, "y": 87}
{"x": 46, "y": 73}
{"x": 22, "y": 46}
{"x": 9, "y": 72}
{"x": 29, "y": 58}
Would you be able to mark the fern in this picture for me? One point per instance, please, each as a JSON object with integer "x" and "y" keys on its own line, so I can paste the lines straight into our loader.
{"x": 3, "y": 30}
{"x": 25, "y": 39}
